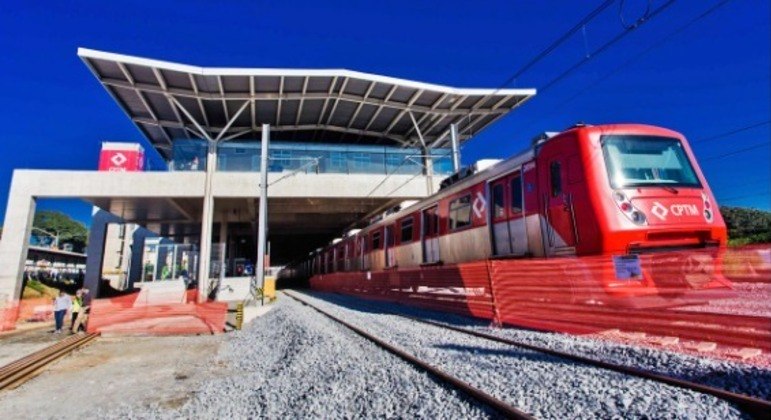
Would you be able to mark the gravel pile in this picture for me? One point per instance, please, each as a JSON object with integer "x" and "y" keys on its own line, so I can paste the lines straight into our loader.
{"x": 733, "y": 376}
{"x": 294, "y": 363}
{"x": 544, "y": 386}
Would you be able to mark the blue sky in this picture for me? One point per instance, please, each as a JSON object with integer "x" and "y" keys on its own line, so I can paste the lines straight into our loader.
{"x": 709, "y": 79}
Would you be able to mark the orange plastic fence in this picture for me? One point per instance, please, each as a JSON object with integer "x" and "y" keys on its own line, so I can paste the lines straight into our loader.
{"x": 700, "y": 295}
{"x": 130, "y": 315}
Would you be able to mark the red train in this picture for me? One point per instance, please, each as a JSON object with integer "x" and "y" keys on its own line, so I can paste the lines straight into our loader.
{"x": 627, "y": 198}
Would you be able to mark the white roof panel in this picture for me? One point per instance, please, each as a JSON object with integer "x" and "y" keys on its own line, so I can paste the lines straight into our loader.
{"x": 166, "y": 100}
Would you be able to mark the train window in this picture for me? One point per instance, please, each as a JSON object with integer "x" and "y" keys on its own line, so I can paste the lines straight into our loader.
{"x": 516, "y": 194}
{"x": 376, "y": 240}
{"x": 390, "y": 236}
{"x": 430, "y": 222}
{"x": 499, "y": 208}
{"x": 407, "y": 231}
{"x": 644, "y": 161}
{"x": 555, "y": 177}
{"x": 460, "y": 212}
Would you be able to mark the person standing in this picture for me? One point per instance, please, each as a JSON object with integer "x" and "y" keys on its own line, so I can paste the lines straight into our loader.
{"x": 80, "y": 321}
{"x": 62, "y": 304}
{"x": 77, "y": 305}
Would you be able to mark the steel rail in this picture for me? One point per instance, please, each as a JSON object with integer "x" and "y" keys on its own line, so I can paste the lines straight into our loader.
{"x": 17, "y": 372}
{"x": 473, "y": 392}
{"x": 756, "y": 407}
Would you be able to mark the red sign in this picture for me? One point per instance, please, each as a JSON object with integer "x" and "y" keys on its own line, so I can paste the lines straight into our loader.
{"x": 122, "y": 157}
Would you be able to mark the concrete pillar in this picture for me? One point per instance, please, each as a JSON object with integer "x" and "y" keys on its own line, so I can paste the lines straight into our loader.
{"x": 207, "y": 218}
{"x": 223, "y": 237}
{"x": 17, "y": 227}
{"x": 97, "y": 234}
{"x": 262, "y": 222}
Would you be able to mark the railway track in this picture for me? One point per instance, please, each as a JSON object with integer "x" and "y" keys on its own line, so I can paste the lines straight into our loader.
{"x": 16, "y": 373}
{"x": 758, "y": 408}
{"x": 499, "y": 406}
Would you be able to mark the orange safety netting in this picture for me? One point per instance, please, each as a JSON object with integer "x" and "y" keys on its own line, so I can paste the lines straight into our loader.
{"x": 26, "y": 310}
{"x": 132, "y": 314}
{"x": 699, "y": 298}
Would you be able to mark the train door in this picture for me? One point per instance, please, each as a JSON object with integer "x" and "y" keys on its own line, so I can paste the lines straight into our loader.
{"x": 557, "y": 207}
{"x": 499, "y": 217}
{"x": 390, "y": 243}
{"x": 347, "y": 255}
{"x": 363, "y": 250}
{"x": 509, "y": 232}
{"x": 517, "y": 223}
{"x": 430, "y": 234}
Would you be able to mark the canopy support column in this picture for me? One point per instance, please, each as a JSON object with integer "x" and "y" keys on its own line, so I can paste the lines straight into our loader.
{"x": 207, "y": 215}
{"x": 428, "y": 162}
{"x": 262, "y": 228}
{"x": 455, "y": 149}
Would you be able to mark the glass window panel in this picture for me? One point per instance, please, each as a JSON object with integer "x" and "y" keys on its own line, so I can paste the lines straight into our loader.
{"x": 637, "y": 161}
{"x": 516, "y": 194}
{"x": 460, "y": 212}
{"x": 407, "y": 231}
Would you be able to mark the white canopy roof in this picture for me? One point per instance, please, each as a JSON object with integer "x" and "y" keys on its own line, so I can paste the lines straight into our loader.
{"x": 168, "y": 101}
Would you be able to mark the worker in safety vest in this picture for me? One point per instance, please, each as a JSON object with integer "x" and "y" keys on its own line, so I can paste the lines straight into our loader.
{"x": 77, "y": 306}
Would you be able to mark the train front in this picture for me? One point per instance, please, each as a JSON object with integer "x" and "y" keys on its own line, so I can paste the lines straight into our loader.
{"x": 658, "y": 220}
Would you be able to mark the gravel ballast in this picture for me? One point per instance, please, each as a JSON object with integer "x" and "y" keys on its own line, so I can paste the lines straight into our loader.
{"x": 294, "y": 363}
{"x": 736, "y": 377}
{"x": 544, "y": 386}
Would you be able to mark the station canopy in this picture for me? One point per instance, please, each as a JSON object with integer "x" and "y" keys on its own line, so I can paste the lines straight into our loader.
{"x": 169, "y": 101}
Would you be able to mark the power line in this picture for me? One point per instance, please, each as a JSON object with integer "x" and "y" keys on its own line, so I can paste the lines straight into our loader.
{"x": 732, "y": 132}
{"x": 641, "y": 21}
{"x": 548, "y": 50}
{"x": 632, "y": 60}
{"x": 741, "y": 197}
{"x": 744, "y": 184}
{"x": 564, "y": 37}
{"x": 736, "y": 152}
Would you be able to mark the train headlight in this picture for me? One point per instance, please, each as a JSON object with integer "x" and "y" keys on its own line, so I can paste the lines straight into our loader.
{"x": 708, "y": 216}
{"x": 638, "y": 217}
{"x": 629, "y": 210}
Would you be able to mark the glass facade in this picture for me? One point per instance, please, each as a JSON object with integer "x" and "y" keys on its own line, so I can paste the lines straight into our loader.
{"x": 244, "y": 156}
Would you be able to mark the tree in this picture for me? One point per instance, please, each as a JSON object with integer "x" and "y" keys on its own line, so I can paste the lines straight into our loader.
{"x": 747, "y": 225}
{"x": 63, "y": 226}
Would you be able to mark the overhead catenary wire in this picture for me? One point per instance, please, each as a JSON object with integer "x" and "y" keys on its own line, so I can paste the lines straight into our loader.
{"x": 580, "y": 25}
{"x": 660, "y": 42}
{"x": 742, "y": 197}
{"x": 731, "y": 132}
{"x": 604, "y": 47}
{"x": 736, "y": 152}
{"x": 559, "y": 41}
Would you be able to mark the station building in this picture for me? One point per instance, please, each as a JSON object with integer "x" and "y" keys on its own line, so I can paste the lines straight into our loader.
{"x": 338, "y": 145}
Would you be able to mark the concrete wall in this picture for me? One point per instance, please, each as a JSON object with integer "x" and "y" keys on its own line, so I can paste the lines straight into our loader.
{"x": 27, "y": 185}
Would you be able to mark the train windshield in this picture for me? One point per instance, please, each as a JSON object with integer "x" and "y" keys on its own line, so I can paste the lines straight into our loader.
{"x": 640, "y": 161}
